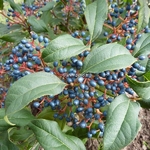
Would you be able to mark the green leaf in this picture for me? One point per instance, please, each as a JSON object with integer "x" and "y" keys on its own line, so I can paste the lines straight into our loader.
{"x": 36, "y": 146}
{"x": 38, "y": 25}
{"x": 46, "y": 17}
{"x": 143, "y": 16}
{"x": 13, "y": 36}
{"x": 15, "y": 6}
{"x": 28, "y": 2}
{"x": 46, "y": 131}
{"x": 145, "y": 103}
{"x": 49, "y": 6}
{"x": 1, "y": 5}
{"x": 128, "y": 1}
{"x": 141, "y": 88}
{"x": 23, "y": 138}
{"x": 148, "y": 65}
{"x": 147, "y": 75}
{"x": 3, "y": 125}
{"x": 30, "y": 87}
{"x": 5, "y": 30}
{"x": 95, "y": 15}
{"x": 88, "y": 2}
{"x": 5, "y": 144}
{"x": 21, "y": 118}
{"x": 121, "y": 129}
{"x": 48, "y": 114}
{"x": 107, "y": 57}
{"x": 142, "y": 45}
{"x": 63, "y": 47}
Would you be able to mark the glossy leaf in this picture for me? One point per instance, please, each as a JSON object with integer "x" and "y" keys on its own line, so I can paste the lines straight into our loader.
{"x": 145, "y": 103}
{"x": 21, "y": 118}
{"x": 36, "y": 146}
{"x": 4, "y": 29}
{"x": 46, "y": 17}
{"x": 148, "y": 65}
{"x": 49, "y": 6}
{"x": 30, "y": 87}
{"x": 46, "y": 131}
{"x": 23, "y": 138}
{"x": 88, "y": 2}
{"x": 28, "y": 2}
{"x": 1, "y": 5}
{"x": 3, "y": 125}
{"x": 5, "y": 144}
{"x": 95, "y": 15}
{"x": 15, "y": 6}
{"x": 143, "y": 15}
{"x": 107, "y": 57}
{"x": 147, "y": 75}
{"x": 13, "y": 36}
{"x": 141, "y": 88}
{"x": 128, "y": 1}
{"x": 121, "y": 129}
{"x": 38, "y": 25}
{"x": 142, "y": 45}
{"x": 63, "y": 47}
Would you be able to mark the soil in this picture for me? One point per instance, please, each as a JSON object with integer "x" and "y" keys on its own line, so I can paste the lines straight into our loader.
{"x": 142, "y": 140}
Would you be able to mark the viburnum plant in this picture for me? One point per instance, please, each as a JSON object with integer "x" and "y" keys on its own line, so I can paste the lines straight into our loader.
{"x": 72, "y": 70}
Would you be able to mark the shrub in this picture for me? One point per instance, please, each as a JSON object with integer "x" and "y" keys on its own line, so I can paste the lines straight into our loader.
{"x": 73, "y": 70}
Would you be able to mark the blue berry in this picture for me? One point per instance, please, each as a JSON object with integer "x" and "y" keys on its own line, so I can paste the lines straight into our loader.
{"x": 36, "y": 104}
{"x": 29, "y": 64}
{"x": 92, "y": 83}
{"x": 76, "y": 102}
{"x": 96, "y": 116}
{"x": 89, "y": 135}
{"x": 34, "y": 36}
{"x": 93, "y": 131}
{"x": 47, "y": 69}
{"x": 97, "y": 105}
{"x": 55, "y": 64}
{"x": 80, "y": 79}
{"x": 83, "y": 124}
{"x": 79, "y": 109}
{"x": 40, "y": 38}
{"x": 105, "y": 33}
{"x": 46, "y": 40}
{"x": 101, "y": 126}
{"x": 141, "y": 57}
{"x": 82, "y": 33}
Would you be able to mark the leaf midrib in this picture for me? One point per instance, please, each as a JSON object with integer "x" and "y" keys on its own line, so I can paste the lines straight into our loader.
{"x": 30, "y": 91}
{"x": 103, "y": 61}
{"x": 122, "y": 121}
{"x": 53, "y": 137}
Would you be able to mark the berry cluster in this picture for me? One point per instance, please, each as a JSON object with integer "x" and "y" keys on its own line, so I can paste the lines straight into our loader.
{"x": 14, "y": 17}
{"x": 25, "y": 58}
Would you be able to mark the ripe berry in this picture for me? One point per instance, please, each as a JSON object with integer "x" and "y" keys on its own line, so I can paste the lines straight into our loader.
{"x": 89, "y": 135}
{"x": 83, "y": 124}
{"x": 141, "y": 57}
{"x": 40, "y": 38}
{"x": 93, "y": 131}
{"x": 76, "y": 102}
{"x": 47, "y": 69}
{"x": 92, "y": 83}
{"x": 101, "y": 126}
{"x": 36, "y": 104}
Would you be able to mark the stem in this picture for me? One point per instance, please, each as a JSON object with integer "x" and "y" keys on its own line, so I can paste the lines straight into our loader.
{"x": 103, "y": 90}
{"x": 106, "y": 25}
